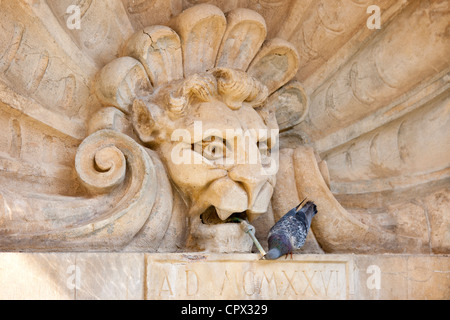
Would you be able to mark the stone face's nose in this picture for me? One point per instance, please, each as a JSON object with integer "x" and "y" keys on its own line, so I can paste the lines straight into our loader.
{"x": 261, "y": 203}
{"x": 249, "y": 173}
{"x": 227, "y": 197}
{"x": 251, "y": 178}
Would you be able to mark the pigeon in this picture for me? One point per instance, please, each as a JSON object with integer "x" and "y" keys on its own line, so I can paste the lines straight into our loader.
{"x": 289, "y": 233}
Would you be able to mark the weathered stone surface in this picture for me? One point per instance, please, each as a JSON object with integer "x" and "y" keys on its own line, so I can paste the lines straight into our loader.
{"x": 110, "y": 276}
{"x": 201, "y": 29}
{"x": 402, "y": 277}
{"x": 219, "y": 277}
{"x": 291, "y": 104}
{"x": 191, "y": 276}
{"x": 100, "y": 36}
{"x": 245, "y": 33}
{"x": 37, "y": 276}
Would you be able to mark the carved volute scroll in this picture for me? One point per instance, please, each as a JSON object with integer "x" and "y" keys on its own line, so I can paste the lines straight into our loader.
{"x": 114, "y": 169}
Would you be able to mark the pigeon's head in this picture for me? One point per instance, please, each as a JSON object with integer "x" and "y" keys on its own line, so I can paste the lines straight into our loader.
{"x": 273, "y": 254}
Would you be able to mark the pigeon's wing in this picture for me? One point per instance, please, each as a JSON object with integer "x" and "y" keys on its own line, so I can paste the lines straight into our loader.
{"x": 294, "y": 226}
{"x": 282, "y": 225}
{"x": 299, "y": 235}
{"x": 298, "y": 230}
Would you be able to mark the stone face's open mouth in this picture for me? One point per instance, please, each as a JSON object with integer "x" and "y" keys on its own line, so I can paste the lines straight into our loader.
{"x": 211, "y": 217}
{"x": 210, "y": 233}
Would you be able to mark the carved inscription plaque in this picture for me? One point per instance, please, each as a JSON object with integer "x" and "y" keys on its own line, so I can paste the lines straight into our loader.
{"x": 247, "y": 277}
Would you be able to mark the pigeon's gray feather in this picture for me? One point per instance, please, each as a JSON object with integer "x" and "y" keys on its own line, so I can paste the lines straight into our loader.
{"x": 290, "y": 232}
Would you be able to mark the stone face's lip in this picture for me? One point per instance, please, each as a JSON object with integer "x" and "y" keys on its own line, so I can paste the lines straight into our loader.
{"x": 223, "y": 214}
{"x": 210, "y": 234}
{"x": 214, "y": 216}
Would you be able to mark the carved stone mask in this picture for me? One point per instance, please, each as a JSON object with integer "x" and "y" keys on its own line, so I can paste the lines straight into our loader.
{"x": 217, "y": 141}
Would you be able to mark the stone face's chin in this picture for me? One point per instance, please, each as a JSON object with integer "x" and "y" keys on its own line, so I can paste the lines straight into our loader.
{"x": 216, "y": 230}
{"x": 216, "y": 215}
{"x": 219, "y": 230}
{"x": 210, "y": 234}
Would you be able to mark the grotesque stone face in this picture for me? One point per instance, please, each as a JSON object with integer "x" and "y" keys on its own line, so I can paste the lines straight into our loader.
{"x": 225, "y": 162}
{"x": 218, "y": 142}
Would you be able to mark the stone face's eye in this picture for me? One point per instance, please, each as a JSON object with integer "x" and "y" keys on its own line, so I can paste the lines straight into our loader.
{"x": 264, "y": 147}
{"x": 213, "y": 151}
{"x": 212, "y": 148}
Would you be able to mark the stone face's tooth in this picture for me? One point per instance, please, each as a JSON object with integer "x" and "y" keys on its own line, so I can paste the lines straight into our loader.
{"x": 223, "y": 214}
{"x": 251, "y": 215}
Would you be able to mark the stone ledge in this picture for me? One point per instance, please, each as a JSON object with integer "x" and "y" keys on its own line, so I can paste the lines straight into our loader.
{"x": 222, "y": 276}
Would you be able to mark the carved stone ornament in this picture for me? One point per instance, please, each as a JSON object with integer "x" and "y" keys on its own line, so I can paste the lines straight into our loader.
{"x": 129, "y": 136}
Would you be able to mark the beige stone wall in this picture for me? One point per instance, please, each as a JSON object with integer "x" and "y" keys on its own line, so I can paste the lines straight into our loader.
{"x": 192, "y": 276}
